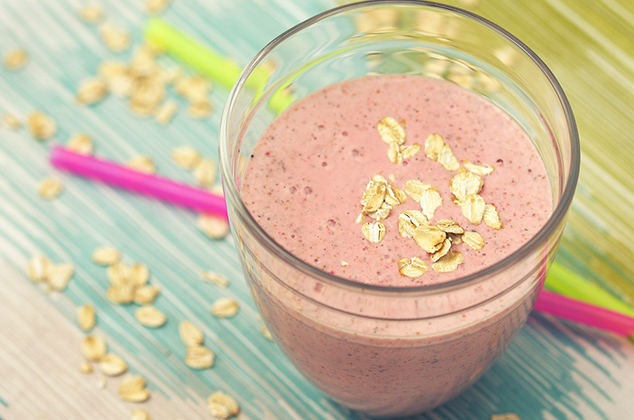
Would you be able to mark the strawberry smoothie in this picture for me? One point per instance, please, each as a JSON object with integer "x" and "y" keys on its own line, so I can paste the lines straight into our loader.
{"x": 309, "y": 171}
{"x": 303, "y": 185}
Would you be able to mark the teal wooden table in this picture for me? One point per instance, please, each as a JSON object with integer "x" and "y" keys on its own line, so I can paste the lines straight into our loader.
{"x": 553, "y": 370}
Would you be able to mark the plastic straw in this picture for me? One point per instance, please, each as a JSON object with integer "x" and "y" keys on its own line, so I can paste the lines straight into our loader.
{"x": 198, "y": 56}
{"x": 565, "y": 282}
{"x": 209, "y": 63}
{"x": 584, "y": 313}
{"x": 150, "y": 185}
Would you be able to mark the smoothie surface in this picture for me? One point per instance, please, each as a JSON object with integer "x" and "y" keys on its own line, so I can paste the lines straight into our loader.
{"x": 308, "y": 173}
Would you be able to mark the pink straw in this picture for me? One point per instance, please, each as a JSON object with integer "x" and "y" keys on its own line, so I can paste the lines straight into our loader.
{"x": 203, "y": 201}
{"x": 584, "y": 313}
{"x": 129, "y": 179}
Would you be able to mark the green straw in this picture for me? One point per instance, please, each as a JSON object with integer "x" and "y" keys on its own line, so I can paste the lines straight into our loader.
{"x": 198, "y": 56}
{"x": 208, "y": 62}
{"x": 565, "y": 282}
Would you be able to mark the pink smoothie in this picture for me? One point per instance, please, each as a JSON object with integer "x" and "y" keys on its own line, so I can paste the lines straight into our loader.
{"x": 309, "y": 171}
{"x": 303, "y": 185}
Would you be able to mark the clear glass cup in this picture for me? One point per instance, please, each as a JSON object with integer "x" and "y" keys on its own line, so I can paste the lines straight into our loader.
{"x": 380, "y": 350}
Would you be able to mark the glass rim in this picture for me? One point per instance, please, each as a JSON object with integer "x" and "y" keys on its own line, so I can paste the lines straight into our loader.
{"x": 232, "y": 193}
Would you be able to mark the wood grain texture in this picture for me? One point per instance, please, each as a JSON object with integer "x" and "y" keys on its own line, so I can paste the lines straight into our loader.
{"x": 553, "y": 370}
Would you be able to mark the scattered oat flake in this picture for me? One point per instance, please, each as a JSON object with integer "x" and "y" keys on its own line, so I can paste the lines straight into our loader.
{"x": 145, "y": 295}
{"x": 360, "y": 218}
{"x": 112, "y": 365}
{"x": 166, "y": 112}
{"x": 92, "y": 91}
{"x": 80, "y": 143}
{"x": 101, "y": 383}
{"x": 214, "y": 278}
{"x": 344, "y": 263}
{"x": 449, "y": 226}
{"x": 50, "y": 188}
{"x": 142, "y": 164}
{"x": 106, "y": 255}
{"x": 143, "y": 64}
{"x": 491, "y": 217}
{"x": 121, "y": 293}
{"x": 205, "y": 172}
{"x": 149, "y": 316}
{"x": 133, "y": 389}
{"x": 382, "y": 212}
{"x": 394, "y": 153}
{"x": 91, "y": 13}
{"x": 410, "y": 151}
{"x": 86, "y": 317}
{"x": 114, "y": 38}
{"x": 186, "y": 156}
{"x": 373, "y": 232}
{"x": 409, "y": 220}
{"x": 223, "y": 405}
{"x": 112, "y": 68}
{"x": 139, "y": 274}
{"x": 430, "y": 238}
{"x": 508, "y": 416}
{"x": 199, "y": 357}
{"x": 447, "y": 159}
{"x": 473, "y": 207}
{"x": 190, "y": 334}
{"x": 415, "y": 188}
{"x": 156, "y": 6}
{"x": 374, "y": 194}
{"x": 375, "y": 198}
{"x": 118, "y": 273}
{"x": 266, "y": 333}
{"x": 146, "y": 95}
{"x": 465, "y": 183}
{"x": 169, "y": 75}
{"x": 41, "y": 126}
{"x": 194, "y": 88}
{"x": 430, "y": 201}
{"x": 395, "y": 196}
{"x": 15, "y": 59}
{"x": 212, "y": 226}
{"x": 449, "y": 262}
{"x": 12, "y": 121}
{"x": 481, "y": 170}
{"x": 455, "y": 238}
{"x": 391, "y": 131}
{"x": 225, "y": 308}
{"x": 200, "y": 108}
{"x": 122, "y": 86}
{"x": 474, "y": 240}
{"x": 140, "y": 414}
{"x": 38, "y": 268}
{"x": 93, "y": 347}
{"x": 433, "y": 145}
{"x": 59, "y": 276}
{"x": 412, "y": 268}
{"x": 444, "y": 250}
{"x": 85, "y": 367}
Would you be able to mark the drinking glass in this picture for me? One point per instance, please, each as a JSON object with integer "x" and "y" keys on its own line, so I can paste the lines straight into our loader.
{"x": 389, "y": 351}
